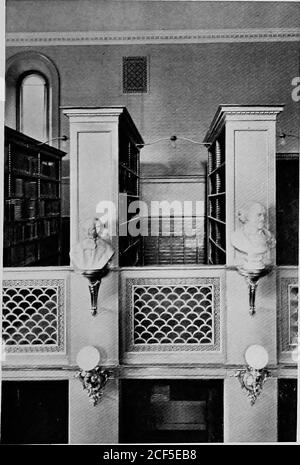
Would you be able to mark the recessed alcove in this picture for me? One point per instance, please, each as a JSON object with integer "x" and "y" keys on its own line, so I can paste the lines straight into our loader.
{"x": 171, "y": 411}
{"x": 34, "y": 412}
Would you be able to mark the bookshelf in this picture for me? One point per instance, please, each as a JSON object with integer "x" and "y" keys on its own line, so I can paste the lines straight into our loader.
{"x": 240, "y": 170}
{"x": 105, "y": 172}
{"x": 130, "y": 245}
{"x": 32, "y": 202}
{"x": 216, "y": 201}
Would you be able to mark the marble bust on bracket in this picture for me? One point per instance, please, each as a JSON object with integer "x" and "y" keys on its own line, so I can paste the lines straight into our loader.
{"x": 94, "y": 251}
{"x": 92, "y": 255}
{"x": 253, "y": 241}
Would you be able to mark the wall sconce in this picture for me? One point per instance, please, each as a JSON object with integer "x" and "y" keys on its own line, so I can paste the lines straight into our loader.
{"x": 253, "y": 376}
{"x": 91, "y": 375}
{"x": 282, "y": 136}
{"x": 92, "y": 255}
{"x": 63, "y": 138}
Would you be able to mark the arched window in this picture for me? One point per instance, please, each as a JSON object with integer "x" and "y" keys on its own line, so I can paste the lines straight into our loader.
{"x": 33, "y": 106}
{"x": 32, "y": 96}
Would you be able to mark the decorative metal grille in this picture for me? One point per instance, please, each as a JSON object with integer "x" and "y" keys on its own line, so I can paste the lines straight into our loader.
{"x": 135, "y": 75}
{"x": 288, "y": 316}
{"x": 173, "y": 314}
{"x": 33, "y": 315}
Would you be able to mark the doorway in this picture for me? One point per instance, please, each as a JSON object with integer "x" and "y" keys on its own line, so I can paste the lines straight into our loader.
{"x": 34, "y": 412}
{"x": 287, "y": 410}
{"x": 171, "y": 411}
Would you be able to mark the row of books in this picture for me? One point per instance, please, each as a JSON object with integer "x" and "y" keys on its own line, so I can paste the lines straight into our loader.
{"x": 20, "y": 232}
{"x": 128, "y": 182}
{"x": 24, "y": 188}
{"x": 30, "y": 165}
{"x": 24, "y": 163}
{"x": 217, "y": 208}
{"x": 29, "y": 189}
{"x": 49, "y": 207}
{"x": 171, "y": 250}
{"x": 48, "y": 168}
{"x": 20, "y": 255}
{"x": 30, "y": 253}
{"x": 218, "y": 233}
{"x": 217, "y": 184}
{"x": 19, "y": 209}
{"x": 49, "y": 189}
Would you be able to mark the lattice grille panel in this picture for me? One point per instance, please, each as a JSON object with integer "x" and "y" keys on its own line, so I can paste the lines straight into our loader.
{"x": 33, "y": 315}
{"x": 174, "y": 314}
{"x": 288, "y": 314}
{"x": 134, "y": 74}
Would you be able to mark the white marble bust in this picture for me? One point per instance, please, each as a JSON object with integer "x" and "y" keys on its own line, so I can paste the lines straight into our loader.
{"x": 94, "y": 251}
{"x": 253, "y": 240}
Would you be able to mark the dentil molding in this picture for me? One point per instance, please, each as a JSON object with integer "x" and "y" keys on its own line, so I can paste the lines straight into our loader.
{"x": 19, "y": 39}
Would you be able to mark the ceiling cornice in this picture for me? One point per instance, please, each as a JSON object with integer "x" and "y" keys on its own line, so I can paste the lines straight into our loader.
{"x": 19, "y": 39}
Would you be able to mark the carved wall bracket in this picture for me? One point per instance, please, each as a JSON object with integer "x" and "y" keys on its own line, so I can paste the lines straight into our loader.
{"x": 94, "y": 280}
{"x": 252, "y": 277}
{"x": 94, "y": 382}
{"x": 252, "y": 381}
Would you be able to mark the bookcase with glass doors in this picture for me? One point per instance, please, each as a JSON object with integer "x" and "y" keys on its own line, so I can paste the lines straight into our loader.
{"x": 32, "y": 202}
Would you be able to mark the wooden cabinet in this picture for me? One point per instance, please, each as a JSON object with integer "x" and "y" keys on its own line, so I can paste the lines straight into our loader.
{"x": 32, "y": 202}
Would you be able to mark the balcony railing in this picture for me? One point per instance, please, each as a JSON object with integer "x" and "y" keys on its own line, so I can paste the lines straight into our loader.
{"x": 169, "y": 314}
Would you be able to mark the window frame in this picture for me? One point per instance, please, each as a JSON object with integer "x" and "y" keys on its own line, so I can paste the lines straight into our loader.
{"x": 17, "y": 66}
{"x": 47, "y": 103}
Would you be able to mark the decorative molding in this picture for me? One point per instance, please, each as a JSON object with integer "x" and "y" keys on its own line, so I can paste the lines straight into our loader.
{"x": 183, "y": 371}
{"x": 240, "y": 112}
{"x": 19, "y": 39}
{"x": 81, "y": 114}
